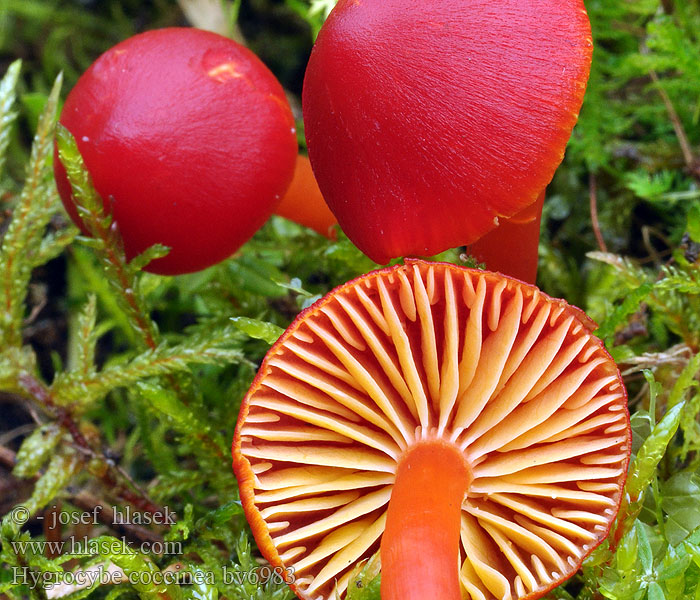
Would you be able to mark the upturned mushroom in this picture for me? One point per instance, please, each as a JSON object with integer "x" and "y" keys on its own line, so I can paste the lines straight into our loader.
{"x": 464, "y": 424}
{"x": 428, "y": 122}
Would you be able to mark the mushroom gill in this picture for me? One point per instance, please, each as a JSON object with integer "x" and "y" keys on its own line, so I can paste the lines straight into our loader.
{"x": 506, "y": 387}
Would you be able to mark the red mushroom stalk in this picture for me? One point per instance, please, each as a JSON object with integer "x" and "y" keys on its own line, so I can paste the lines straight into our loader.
{"x": 429, "y": 123}
{"x": 512, "y": 248}
{"x": 466, "y": 426}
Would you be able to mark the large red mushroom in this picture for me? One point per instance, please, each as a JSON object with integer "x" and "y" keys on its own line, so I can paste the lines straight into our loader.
{"x": 464, "y": 424}
{"x": 189, "y": 140}
{"x": 428, "y": 123}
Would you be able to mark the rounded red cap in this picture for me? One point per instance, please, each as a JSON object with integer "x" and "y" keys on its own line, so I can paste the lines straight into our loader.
{"x": 427, "y": 121}
{"x": 189, "y": 140}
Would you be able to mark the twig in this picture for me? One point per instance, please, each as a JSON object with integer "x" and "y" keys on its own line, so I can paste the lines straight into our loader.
{"x": 659, "y": 255}
{"x": 52, "y": 529}
{"x": 677, "y": 357}
{"x": 142, "y": 322}
{"x": 16, "y": 432}
{"x": 108, "y": 471}
{"x": 41, "y": 394}
{"x": 686, "y": 148}
{"x": 646, "y": 237}
{"x": 593, "y": 195}
{"x": 7, "y": 457}
{"x": 36, "y": 309}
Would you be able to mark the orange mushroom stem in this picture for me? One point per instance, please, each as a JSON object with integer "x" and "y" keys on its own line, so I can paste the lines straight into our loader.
{"x": 423, "y": 524}
{"x": 303, "y": 202}
{"x": 512, "y": 248}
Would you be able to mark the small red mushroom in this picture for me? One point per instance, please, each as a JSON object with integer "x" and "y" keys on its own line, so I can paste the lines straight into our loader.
{"x": 304, "y": 204}
{"x": 465, "y": 425}
{"x": 428, "y": 122}
{"x": 189, "y": 140}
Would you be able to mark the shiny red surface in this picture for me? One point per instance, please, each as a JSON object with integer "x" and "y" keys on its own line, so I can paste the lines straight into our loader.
{"x": 189, "y": 140}
{"x": 426, "y": 120}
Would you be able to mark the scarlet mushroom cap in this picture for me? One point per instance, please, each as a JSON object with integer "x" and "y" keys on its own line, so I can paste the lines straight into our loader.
{"x": 189, "y": 140}
{"x": 428, "y": 121}
{"x": 467, "y": 423}
{"x": 303, "y": 202}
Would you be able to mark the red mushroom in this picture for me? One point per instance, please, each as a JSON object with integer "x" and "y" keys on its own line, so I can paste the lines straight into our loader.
{"x": 427, "y": 122}
{"x": 189, "y": 140}
{"x": 463, "y": 423}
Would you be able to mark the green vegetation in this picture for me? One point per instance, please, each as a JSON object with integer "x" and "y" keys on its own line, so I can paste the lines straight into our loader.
{"x": 121, "y": 388}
